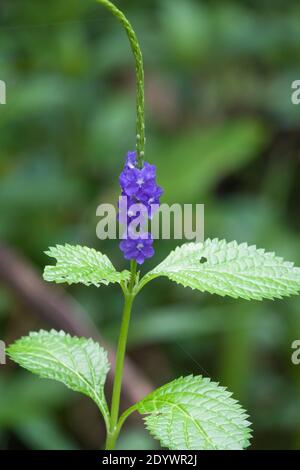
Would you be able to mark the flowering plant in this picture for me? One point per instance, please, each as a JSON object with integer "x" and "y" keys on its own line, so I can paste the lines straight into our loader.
{"x": 190, "y": 412}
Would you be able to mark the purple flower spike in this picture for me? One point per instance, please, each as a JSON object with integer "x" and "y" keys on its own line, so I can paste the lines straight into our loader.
{"x": 138, "y": 188}
{"x": 138, "y": 249}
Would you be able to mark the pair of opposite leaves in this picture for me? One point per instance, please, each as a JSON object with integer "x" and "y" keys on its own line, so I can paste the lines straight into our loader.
{"x": 191, "y": 412}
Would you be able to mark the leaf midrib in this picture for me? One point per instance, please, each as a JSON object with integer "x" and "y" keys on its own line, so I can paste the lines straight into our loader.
{"x": 184, "y": 412}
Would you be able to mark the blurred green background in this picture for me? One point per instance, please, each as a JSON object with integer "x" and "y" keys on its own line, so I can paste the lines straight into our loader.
{"x": 222, "y": 131}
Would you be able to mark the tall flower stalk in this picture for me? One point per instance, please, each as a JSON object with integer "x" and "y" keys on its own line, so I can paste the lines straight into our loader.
{"x": 137, "y": 182}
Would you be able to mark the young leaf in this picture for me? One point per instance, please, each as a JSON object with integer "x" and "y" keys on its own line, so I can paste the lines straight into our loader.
{"x": 193, "y": 413}
{"x": 79, "y": 363}
{"x": 81, "y": 264}
{"x": 223, "y": 268}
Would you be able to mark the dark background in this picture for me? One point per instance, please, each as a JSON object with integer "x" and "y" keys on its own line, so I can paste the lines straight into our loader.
{"x": 222, "y": 131}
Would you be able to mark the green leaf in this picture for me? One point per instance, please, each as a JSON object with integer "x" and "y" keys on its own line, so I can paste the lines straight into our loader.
{"x": 82, "y": 264}
{"x": 223, "y": 268}
{"x": 193, "y": 413}
{"x": 79, "y": 363}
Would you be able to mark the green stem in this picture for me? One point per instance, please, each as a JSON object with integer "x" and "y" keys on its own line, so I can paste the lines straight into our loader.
{"x": 129, "y": 291}
{"x": 114, "y": 429}
{"x": 123, "y": 418}
{"x": 140, "y": 85}
{"x": 133, "y": 267}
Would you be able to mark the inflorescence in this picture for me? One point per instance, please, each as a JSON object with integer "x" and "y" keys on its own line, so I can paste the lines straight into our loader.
{"x": 140, "y": 200}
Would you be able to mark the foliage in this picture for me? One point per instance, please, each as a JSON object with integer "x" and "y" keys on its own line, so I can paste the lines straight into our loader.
{"x": 193, "y": 413}
{"x": 82, "y": 264}
{"x": 230, "y": 269}
{"x": 77, "y": 362}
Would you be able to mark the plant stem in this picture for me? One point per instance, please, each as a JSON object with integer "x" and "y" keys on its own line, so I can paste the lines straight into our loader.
{"x": 140, "y": 85}
{"x": 129, "y": 291}
{"x": 133, "y": 267}
{"x": 114, "y": 429}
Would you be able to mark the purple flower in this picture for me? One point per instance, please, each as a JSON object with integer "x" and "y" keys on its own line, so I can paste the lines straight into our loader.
{"x": 140, "y": 200}
{"x": 151, "y": 199}
{"x": 137, "y": 249}
{"x": 135, "y": 182}
{"x": 130, "y": 209}
{"x": 131, "y": 161}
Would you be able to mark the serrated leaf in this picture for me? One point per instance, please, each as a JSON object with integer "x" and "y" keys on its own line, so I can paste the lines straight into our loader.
{"x": 79, "y": 363}
{"x": 231, "y": 269}
{"x": 80, "y": 264}
{"x": 193, "y": 413}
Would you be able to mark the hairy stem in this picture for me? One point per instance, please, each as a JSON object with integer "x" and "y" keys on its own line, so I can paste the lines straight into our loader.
{"x": 139, "y": 70}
